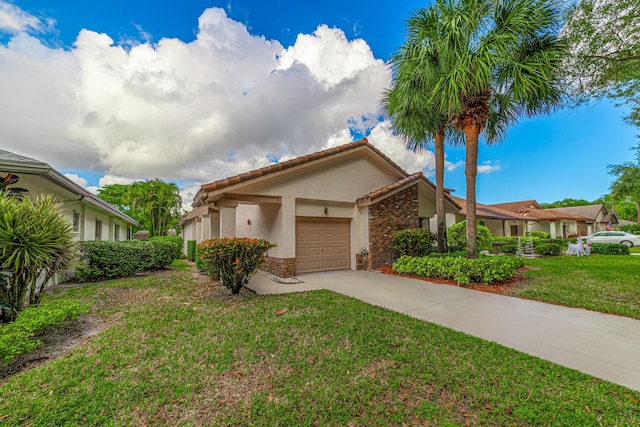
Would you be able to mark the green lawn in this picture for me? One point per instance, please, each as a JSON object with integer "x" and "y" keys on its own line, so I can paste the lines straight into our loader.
{"x": 607, "y": 283}
{"x": 178, "y": 354}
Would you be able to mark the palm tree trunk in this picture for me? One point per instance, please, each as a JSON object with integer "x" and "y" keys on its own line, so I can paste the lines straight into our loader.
{"x": 440, "y": 211}
{"x": 471, "y": 171}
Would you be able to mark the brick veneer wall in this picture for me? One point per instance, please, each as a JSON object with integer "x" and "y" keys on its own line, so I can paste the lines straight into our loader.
{"x": 396, "y": 212}
{"x": 581, "y": 227}
{"x": 281, "y": 267}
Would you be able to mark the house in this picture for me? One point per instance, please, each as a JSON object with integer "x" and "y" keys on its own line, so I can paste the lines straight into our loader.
{"x": 91, "y": 217}
{"x": 500, "y": 222}
{"x": 331, "y": 210}
{"x": 552, "y": 221}
{"x": 598, "y": 217}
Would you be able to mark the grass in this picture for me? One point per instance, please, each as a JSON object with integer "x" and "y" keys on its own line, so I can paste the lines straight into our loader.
{"x": 177, "y": 354}
{"x": 606, "y": 283}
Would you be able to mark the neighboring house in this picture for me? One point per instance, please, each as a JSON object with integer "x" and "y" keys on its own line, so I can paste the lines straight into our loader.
{"x": 597, "y": 215}
{"x": 500, "y": 222}
{"x": 320, "y": 209}
{"x": 552, "y": 221}
{"x": 91, "y": 217}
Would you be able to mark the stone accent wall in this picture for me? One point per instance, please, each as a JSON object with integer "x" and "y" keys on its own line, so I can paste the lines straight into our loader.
{"x": 281, "y": 267}
{"x": 582, "y": 227}
{"x": 396, "y": 212}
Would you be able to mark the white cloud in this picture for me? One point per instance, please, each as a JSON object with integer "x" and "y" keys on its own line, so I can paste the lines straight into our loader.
{"x": 15, "y": 20}
{"x": 191, "y": 112}
{"x": 77, "y": 179}
{"x": 487, "y": 167}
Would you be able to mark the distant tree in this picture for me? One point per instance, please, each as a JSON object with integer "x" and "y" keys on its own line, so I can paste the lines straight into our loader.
{"x": 623, "y": 207}
{"x": 627, "y": 183}
{"x": 604, "y": 58}
{"x": 565, "y": 203}
{"x": 155, "y": 204}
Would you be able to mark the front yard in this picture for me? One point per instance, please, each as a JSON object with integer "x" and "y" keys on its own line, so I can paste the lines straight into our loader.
{"x": 177, "y": 350}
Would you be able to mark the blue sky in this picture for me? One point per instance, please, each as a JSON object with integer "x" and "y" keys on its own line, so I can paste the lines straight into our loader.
{"x": 194, "y": 91}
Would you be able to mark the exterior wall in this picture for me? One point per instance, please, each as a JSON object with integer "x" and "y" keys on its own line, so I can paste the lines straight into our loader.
{"x": 581, "y": 228}
{"x": 396, "y": 212}
{"x": 495, "y": 226}
{"x": 281, "y": 267}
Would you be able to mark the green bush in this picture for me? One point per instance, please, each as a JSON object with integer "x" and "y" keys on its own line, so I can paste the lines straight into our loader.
{"x": 562, "y": 242}
{"x": 632, "y": 228}
{"x": 549, "y": 249}
{"x": 176, "y": 240}
{"x": 509, "y": 248}
{"x": 539, "y": 234}
{"x": 413, "y": 242}
{"x": 17, "y": 338}
{"x": 609, "y": 249}
{"x": 36, "y": 243}
{"x": 486, "y": 269}
{"x": 457, "y": 236}
{"x": 233, "y": 260}
{"x": 191, "y": 250}
{"x": 104, "y": 260}
{"x": 164, "y": 252}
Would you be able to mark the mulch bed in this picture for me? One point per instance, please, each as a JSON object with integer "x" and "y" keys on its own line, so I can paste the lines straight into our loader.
{"x": 503, "y": 288}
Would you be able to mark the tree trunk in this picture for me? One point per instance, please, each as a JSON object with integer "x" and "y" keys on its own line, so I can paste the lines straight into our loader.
{"x": 471, "y": 171}
{"x": 440, "y": 211}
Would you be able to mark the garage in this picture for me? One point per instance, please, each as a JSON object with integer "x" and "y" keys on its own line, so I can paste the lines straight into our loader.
{"x": 322, "y": 244}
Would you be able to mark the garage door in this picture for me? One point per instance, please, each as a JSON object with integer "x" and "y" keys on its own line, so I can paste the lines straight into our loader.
{"x": 322, "y": 244}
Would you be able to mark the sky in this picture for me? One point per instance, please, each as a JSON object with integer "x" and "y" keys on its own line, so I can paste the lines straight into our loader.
{"x": 195, "y": 91}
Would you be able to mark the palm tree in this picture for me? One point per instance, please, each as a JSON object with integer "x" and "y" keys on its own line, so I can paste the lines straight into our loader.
{"x": 496, "y": 60}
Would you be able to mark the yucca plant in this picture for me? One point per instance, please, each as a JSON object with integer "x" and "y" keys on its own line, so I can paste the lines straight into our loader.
{"x": 36, "y": 243}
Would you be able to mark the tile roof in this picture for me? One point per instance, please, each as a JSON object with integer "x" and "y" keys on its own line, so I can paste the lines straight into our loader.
{"x": 389, "y": 188}
{"x": 491, "y": 212}
{"x": 531, "y": 209}
{"x": 237, "y": 179}
{"x": 521, "y": 206}
{"x": 588, "y": 211}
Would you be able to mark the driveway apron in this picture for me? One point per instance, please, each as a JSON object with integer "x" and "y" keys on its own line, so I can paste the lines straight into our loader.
{"x": 602, "y": 345}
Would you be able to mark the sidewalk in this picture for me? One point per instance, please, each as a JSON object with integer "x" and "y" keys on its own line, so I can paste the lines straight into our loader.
{"x": 603, "y": 345}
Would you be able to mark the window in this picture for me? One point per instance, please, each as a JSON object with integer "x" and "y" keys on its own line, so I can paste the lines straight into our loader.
{"x": 116, "y": 232}
{"x": 98, "y": 229}
{"x": 128, "y": 233}
{"x": 76, "y": 221}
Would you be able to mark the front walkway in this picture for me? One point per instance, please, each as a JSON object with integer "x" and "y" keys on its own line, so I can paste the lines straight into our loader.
{"x": 602, "y": 345}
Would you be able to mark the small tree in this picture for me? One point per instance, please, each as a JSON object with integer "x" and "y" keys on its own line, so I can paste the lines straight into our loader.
{"x": 36, "y": 243}
{"x": 456, "y": 235}
{"x": 233, "y": 260}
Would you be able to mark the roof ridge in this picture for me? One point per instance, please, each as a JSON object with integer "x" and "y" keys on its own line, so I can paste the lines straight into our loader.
{"x": 277, "y": 167}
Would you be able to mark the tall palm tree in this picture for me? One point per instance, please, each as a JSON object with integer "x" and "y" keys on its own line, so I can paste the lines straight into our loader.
{"x": 416, "y": 122}
{"x": 496, "y": 61}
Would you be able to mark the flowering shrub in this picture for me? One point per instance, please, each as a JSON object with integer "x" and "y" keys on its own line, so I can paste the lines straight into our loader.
{"x": 233, "y": 260}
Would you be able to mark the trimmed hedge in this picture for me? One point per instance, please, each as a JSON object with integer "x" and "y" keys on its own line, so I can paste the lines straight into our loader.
{"x": 486, "y": 269}
{"x": 177, "y": 241}
{"x": 105, "y": 260}
{"x": 609, "y": 249}
{"x": 192, "y": 249}
{"x": 549, "y": 249}
{"x": 413, "y": 242}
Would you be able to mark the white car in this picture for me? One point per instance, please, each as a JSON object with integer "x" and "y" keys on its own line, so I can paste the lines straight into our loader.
{"x": 628, "y": 239}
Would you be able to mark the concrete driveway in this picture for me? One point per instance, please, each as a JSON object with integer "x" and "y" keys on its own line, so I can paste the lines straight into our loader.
{"x": 602, "y": 345}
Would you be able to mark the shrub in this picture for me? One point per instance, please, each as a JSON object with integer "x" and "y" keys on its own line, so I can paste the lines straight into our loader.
{"x": 509, "y": 248}
{"x": 539, "y": 234}
{"x": 176, "y": 240}
{"x": 191, "y": 250}
{"x": 486, "y": 269}
{"x": 17, "y": 337}
{"x": 233, "y": 260}
{"x": 631, "y": 228}
{"x": 103, "y": 260}
{"x": 164, "y": 252}
{"x": 609, "y": 249}
{"x": 549, "y": 249}
{"x": 36, "y": 243}
{"x": 457, "y": 236}
{"x": 413, "y": 242}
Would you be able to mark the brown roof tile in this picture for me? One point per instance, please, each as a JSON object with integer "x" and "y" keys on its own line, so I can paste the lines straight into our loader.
{"x": 491, "y": 212}
{"x": 388, "y": 188}
{"x": 229, "y": 181}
